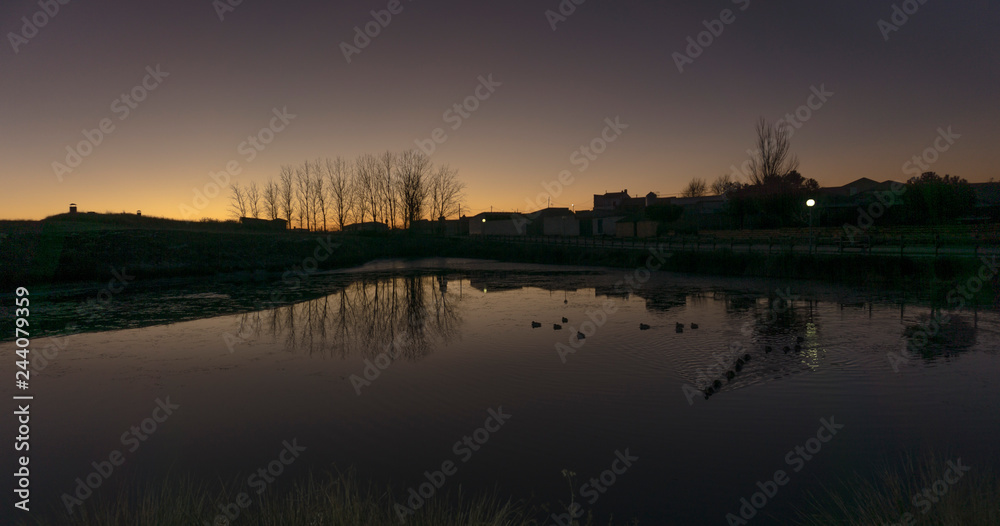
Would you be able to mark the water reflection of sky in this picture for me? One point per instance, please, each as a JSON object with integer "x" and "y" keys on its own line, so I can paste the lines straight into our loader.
{"x": 247, "y": 380}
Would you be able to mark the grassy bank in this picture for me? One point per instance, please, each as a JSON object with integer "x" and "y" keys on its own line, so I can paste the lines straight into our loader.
{"x": 906, "y": 495}
{"x": 63, "y": 250}
{"x": 331, "y": 500}
{"x": 934, "y": 278}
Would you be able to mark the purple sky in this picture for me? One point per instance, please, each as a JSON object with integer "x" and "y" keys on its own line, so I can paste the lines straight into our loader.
{"x": 553, "y": 91}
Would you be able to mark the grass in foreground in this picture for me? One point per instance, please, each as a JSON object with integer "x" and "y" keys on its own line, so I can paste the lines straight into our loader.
{"x": 906, "y": 496}
{"x": 334, "y": 500}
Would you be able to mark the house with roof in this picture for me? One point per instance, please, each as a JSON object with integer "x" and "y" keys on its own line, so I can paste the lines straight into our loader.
{"x": 498, "y": 224}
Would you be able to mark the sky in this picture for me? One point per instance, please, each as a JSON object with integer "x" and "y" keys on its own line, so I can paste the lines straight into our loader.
{"x": 536, "y": 83}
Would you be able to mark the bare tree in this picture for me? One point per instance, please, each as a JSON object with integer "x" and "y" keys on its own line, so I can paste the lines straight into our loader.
{"x": 388, "y": 187}
{"x": 366, "y": 183}
{"x": 445, "y": 192}
{"x": 271, "y": 196}
{"x": 303, "y": 194}
{"x": 724, "y": 184}
{"x": 772, "y": 160}
{"x": 253, "y": 199}
{"x": 286, "y": 187}
{"x": 320, "y": 191}
{"x": 413, "y": 167}
{"x": 238, "y": 201}
{"x": 696, "y": 188}
{"x": 338, "y": 171}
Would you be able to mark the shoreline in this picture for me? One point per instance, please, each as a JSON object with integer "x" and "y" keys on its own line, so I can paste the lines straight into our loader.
{"x": 63, "y": 260}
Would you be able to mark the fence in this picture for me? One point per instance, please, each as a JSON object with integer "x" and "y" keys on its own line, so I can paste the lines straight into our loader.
{"x": 920, "y": 246}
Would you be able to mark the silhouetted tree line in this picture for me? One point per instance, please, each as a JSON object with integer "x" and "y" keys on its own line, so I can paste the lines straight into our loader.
{"x": 392, "y": 188}
{"x": 776, "y": 193}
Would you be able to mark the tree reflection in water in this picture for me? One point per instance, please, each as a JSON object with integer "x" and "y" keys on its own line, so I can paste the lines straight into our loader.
{"x": 413, "y": 313}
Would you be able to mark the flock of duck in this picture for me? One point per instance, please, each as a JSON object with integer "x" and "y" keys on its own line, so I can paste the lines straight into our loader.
{"x": 716, "y": 385}
{"x": 557, "y": 327}
{"x": 737, "y": 366}
{"x": 642, "y": 327}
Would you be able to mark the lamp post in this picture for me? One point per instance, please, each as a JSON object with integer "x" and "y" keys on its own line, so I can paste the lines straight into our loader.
{"x": 810, "y": 204}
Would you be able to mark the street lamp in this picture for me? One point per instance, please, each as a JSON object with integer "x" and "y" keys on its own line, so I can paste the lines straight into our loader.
{"x": 810, "y": 204}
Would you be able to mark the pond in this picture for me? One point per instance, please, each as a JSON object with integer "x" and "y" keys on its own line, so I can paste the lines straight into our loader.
{"x": 400, "y": 368}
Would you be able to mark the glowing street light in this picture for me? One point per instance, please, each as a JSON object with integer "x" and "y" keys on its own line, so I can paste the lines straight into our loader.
{"x": 810, "y": 204}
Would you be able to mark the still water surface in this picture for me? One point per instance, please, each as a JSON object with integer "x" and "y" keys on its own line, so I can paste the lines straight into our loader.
{"x": 246, "y": 379}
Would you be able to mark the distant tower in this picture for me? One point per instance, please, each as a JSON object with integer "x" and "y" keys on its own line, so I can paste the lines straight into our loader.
{"x": 72, "y": 208}
{"x": 138, "y": 213}
{"x": 651, "y": 199}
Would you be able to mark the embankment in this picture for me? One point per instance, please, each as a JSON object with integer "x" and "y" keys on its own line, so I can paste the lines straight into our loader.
{"x": 52, "y": 256}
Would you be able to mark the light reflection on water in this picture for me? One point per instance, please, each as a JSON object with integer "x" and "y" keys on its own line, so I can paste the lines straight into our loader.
{"x": 247, "y": 381}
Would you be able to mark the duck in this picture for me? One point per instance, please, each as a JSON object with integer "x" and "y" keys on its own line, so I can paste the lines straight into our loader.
{"x": 556, "y": 326}
{"x": 730, "y": 375}
{"x": 786, "y": 349}
{"x": 746, "y": 357}
{"x": 767, "y": 348}
{"x": 680, "y": 327}
{"x": 717, "y": 384}
{"x": 800, "y": 339}
{"x": 580, "y": 335}
{"x": 643, "y": 327}
{"x": 535, "y": 325}
{"x": 798, "y": 348}
{"x": 694, "y": 325}
{"x": 739, "y": 366}
{"x": 740, "y": 361}
{"x": 709, "y": 392}
{"x": 565, "y": 319}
